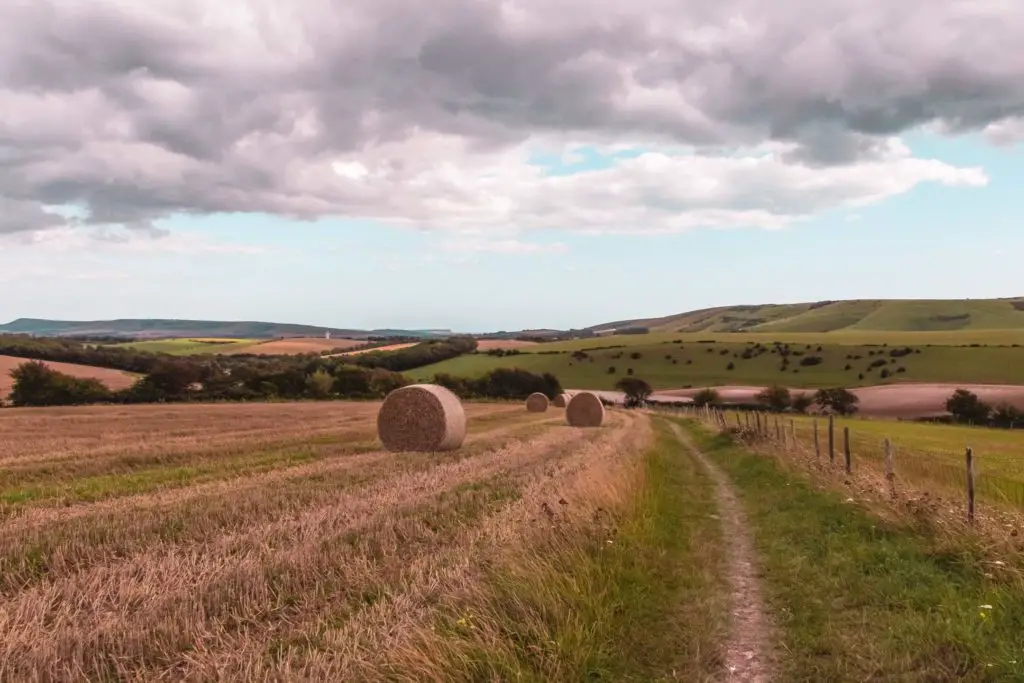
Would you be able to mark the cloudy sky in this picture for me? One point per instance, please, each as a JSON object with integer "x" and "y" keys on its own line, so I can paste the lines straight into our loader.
{"x": 499, "y": 164}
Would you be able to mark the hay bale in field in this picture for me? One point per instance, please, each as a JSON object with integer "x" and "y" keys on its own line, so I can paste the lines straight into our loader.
{"x": 560, "y": 401}
{"x": 421, "y": 417}
{"x": 537, "y": 402}
{"x": 584, "y": 409}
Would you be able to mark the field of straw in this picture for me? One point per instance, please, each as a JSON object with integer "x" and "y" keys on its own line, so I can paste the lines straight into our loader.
{"x": 296, "y": 345}
{"x": 263, "y": 542}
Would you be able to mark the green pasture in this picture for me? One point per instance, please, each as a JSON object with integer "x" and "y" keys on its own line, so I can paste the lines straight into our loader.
{"x": 188, "y": 346}
{"x": 840, "y": 338}
{"x": 926, "y": 456}
{"x": 669, "y": 365}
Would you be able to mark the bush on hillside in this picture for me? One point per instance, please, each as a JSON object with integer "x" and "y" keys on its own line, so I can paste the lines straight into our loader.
{"x": 775, "y": 398}
{"x": 36, "y": 384}
{"x": 965, "y": 406}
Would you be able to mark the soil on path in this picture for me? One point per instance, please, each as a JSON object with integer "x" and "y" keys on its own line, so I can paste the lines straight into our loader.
{"x": 748, "y": 653}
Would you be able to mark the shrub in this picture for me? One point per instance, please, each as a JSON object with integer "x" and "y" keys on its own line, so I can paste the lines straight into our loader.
{"x": 811, "y": 360}
{"x": 730, "y": 366}
{"x": 706, "y": 397}
{"x": 801, "y": 402}
{"x": 965, "y": 406}
{"x": 636, "y": 390}
{"x": 775, "y": 398}
{"x": 36, "y": 384}
{"x": 839, "y": 400}
{"x": 611, "y": 369}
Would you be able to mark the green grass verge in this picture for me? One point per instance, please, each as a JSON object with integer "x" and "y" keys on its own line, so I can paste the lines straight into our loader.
{"x": 859, "y": 598}
{"x": 673, "y": 365}
{"x": 647, "y": 606}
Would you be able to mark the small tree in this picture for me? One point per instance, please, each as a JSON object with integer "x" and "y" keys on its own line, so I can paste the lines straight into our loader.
{"x": 319, "y": 384}
{"x": 801, "y": 402}
{"x": 965, "y": 406}
{"x": 1006, "y": 415}
{"x": 775, "y": 398}
{"x": 705, "y": 397}
{"x": 636, "y": 390}
{"x": 838, "y": 400}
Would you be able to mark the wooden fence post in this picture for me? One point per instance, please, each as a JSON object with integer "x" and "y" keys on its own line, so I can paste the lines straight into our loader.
{"x": 846, "y": 449}
{"x": 792, "y": 433}
{"x": 817, "y": 443}
{"x": 890, "y": 475}
{"x": 757, "y": 420}
{"x": 831, "y": 441}
{"x": 747, "y": 417}
{"x": 739, "y": 423}
{"x": 970, "y": 484}
{"x": 778, "y": 432}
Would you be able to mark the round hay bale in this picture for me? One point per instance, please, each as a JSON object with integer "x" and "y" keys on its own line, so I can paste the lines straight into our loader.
{"x": 423, "y": 418}
{"x": 560, "y": 401}
{"x": 584, "y": 409}
{"x": 537, "y": 403}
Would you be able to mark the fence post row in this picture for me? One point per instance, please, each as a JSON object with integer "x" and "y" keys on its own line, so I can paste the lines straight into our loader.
{"x": 890, "y": 476}
{"x": 831, "y": 441}
{"x": 970, "y": 484}
{"x": 846, "y": 449}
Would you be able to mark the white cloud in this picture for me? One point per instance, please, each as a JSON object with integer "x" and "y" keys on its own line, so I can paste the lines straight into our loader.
{"x": 1008, "y": 132}
{"x": 438, "y": 182}
{"x": 421, "y": 113}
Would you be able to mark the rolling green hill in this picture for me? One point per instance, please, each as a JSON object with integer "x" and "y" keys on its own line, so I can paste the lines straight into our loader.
{"x": 673, "y": 364}
{"x": 868, "y": 315}
{"x": 158, "y": 327}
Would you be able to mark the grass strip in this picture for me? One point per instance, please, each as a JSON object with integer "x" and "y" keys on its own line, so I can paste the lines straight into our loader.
{"x": 861, "y": 598}
{"x": 633, "y": 596}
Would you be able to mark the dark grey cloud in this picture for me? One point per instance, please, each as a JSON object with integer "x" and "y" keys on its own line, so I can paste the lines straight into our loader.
{"x": 135, "y": 111}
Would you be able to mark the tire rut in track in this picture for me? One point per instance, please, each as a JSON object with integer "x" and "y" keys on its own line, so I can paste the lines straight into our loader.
{"x": 748, "y": 652}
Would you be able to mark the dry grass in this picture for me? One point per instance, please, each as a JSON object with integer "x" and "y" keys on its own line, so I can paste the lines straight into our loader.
{"x": 296, "y": 345}
{"x": 388, "y": 347}
{"x": 114, "y": 379}
{"x": 263, "y": 542}
{"x": 488, "y": 344}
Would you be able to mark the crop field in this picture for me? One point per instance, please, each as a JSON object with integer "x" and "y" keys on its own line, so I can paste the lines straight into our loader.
{"x": 359, "y": 352}
{"x": 296, "y": 345}
{"x": 279, "y": 540}
{"x": 189, "y": 346}
{"x": 673, "y": 364}
{"x": 114, "y": 379}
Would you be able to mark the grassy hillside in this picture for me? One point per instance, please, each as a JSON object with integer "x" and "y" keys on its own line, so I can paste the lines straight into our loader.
{"x": 143, "y": 328}
{"x": 829, "y": 316}
{"x": 672, "y": 365}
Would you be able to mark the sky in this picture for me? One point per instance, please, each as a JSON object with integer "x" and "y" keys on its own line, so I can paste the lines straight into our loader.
{"x": 484, "y": 165}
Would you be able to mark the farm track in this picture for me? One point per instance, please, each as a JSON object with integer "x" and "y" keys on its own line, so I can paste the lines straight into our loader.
{"x": 260, "y": 576}
{"x": 748, "y": 652}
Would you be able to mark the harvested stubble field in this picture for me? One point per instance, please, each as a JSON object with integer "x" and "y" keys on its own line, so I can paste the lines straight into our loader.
{"x": 261, "y": 542}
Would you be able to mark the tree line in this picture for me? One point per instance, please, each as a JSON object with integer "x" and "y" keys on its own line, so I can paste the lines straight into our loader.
{"x": 37, "y": 384}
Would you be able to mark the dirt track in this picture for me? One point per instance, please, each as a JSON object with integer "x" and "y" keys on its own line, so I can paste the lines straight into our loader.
{"x": 890, "y": 400}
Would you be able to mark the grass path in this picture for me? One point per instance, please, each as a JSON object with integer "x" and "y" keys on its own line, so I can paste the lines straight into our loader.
{"x": 859, "y": 597}
{"x": 748, "y": 652}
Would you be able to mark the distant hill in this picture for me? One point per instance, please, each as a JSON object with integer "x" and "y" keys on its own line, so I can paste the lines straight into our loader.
{"x": 895, "y": 315}
{"x": 157, "y": 328}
